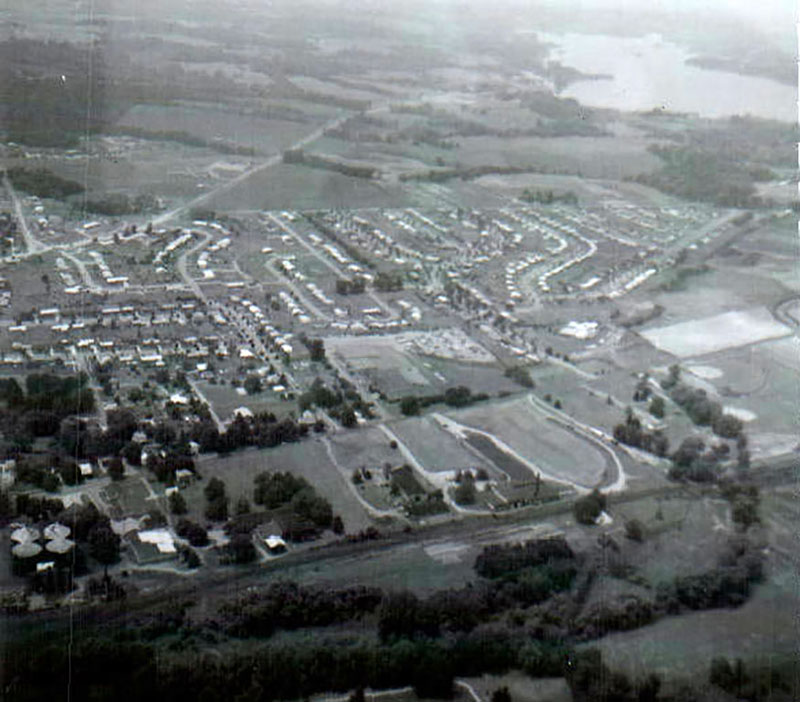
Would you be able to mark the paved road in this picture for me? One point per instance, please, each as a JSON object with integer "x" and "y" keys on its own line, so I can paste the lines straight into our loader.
{"x": 194, "y": 286}
{"x": 269, "y": 163}
{"x": 326, "y": 262}
{"x": 32, "y": 245}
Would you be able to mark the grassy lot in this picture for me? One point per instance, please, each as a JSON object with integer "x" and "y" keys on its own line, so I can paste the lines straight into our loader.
{"x": 225, "y": 400}
{"x": 367, "y": 447}
{"x": 130, "y": 497}
{"x": 307, "y": 458}
{"x": 759, "y": 632}
{"x": 436, "y": 449}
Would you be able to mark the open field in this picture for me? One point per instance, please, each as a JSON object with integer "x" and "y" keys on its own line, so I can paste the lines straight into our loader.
{"x": 522, "y": 687}
{"x": 592, "y": 157}
{"x": 723, "y": 331}
{"x": 559, "y": 453}
{"x": 413, "y": 363}
{"x": 434, "y": 448}
{"x": 129, "y": 497}
{"x": 206, "y": 121}
{"x": 759, "y": 632}
{"x": 366, "y": 447}
{"x": 307, "y": 458}
{"x": 288, "y": 186}
{"x": 761, "y": 380}
{"x": 225, "y": 399}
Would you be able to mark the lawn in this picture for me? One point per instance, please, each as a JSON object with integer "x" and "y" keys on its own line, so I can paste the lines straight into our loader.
{"x": 307, "y": 458}
{"x": 130, "y": 497}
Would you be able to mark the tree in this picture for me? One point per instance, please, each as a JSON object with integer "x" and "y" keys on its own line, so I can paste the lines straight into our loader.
{"x": 241, "y": 549}
{"x": 116, "y": 469}
{"x": 588, "y": 508}
{"x": 727, "y": 426}
{"x": 465, "y": 493}
{"x": 657, "y": 406}
{"x": 104, "y": 545}
{"x": 177, "y": 504}
{"x": 252, "y": 384}
{"x": 217, "y": 509}
{"x": 409, "y": 406}
{"x": 132, "y": 453}
{"x": 214, "y": 489}
{"x": 348, "y": 417}
{"x": 50, "y": 482}
{"x": 196, "y": 535}
{"x": 242, "y": 506}
{"x": 634, "y": 530}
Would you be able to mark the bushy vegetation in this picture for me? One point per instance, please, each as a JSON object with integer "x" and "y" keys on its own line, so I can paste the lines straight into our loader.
{"x": 289, "y": 605}
{"x": 459, "y": 396}
{"x": 588, "y": 508}
{"x": 309, "y": 512}
{"x": 697, "y": 173}
{"x": 43, "y": 183}
{"x": 521, "y": 375}
{"x": 118, "y": 204}
{"x": 631, "y": 433}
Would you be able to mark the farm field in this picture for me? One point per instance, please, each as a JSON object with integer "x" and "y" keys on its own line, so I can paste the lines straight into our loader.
{"x": 288, "y": 186}
{"x": 591, "y": 157}
{"x": 690, "y": 537}
{"x": 559, "y": 453}
{"x": 207, "y": 122}
{"x": 722, "y": 331}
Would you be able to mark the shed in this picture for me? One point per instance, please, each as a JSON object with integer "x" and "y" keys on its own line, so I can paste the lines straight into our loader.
{"x": 275, "y": 544}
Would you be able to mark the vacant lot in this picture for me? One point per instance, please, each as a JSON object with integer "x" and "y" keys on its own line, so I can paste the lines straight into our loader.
{"x": 225, "y": 399}
{"x": 307, "y": 458}
{"x": 722, "y": 331}
{"x": 130, "y": 497}
{"x": 364, "y": 447}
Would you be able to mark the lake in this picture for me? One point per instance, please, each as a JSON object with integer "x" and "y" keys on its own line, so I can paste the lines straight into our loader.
{"x": 648, "y": 72}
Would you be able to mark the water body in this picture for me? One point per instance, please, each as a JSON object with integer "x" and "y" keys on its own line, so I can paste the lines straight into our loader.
{"x": 648, "y": 72}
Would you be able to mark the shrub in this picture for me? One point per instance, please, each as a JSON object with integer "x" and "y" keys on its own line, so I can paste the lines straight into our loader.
{"x": 588, "y": 508}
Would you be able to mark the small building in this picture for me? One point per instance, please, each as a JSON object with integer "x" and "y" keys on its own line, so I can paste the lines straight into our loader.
{"x": 184, "y": 477}
{"x": 275, "y": 544}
